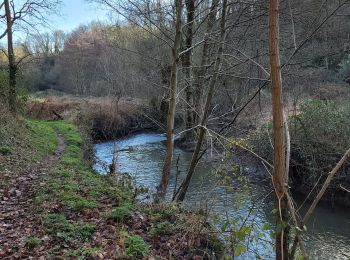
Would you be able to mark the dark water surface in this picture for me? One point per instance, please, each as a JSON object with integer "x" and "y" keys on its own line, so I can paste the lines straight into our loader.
{"x": 142, "y": 155}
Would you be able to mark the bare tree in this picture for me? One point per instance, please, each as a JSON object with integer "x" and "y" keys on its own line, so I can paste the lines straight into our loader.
{"x": 11, "y": 58}
{"x": 279, "y": 151}
{"x": 211, "y": 89}
{"x": 200, "y": 72}
{"x": 172, "y": 103}
{"x": 187, "y": 67}
{"x": 28, "y": 14}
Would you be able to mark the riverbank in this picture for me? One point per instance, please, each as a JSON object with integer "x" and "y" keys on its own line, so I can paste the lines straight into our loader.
{"x": 319, "y": 137}
{"x": 58, "y": 207}
{"x": 106, "y": 118}
{"x": 231, "y": 192}
{"x": 311, "y": 158}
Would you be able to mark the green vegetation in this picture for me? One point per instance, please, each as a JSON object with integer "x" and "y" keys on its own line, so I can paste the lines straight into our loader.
{"x": 59, "y": 226}
{"x": 343, "y": 72}
{"x": 319, "y": 137}
{"x": 122, "y": 213}
{"x": 22, "y": 143}
{"x": 136, "y": 248}
{"x": 43, "y": 138}
{"x": 72, "y": 182}
{"x": 75, "y": 205}
{"x": 5, "y": 150}
{"x": 82, "y": 253}
{"x": 163, "y": 228}
{"x": 32, "y": 242}
{"x": 203, "y": 69}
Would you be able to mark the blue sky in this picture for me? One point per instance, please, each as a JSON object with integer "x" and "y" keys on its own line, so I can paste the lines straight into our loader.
{"x": 72, "y": 14}
{"x": 77, "y": 12}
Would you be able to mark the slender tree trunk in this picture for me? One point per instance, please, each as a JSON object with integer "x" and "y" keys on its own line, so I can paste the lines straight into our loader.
{"x": 279, "y": 156}
{"x": 172, "y": 104}
{"x": 318, "y": 197}
{"x": 211, "y": 90}
{"x": 187, "y": 63}
{"x": 199, "y": 80}
{"x": 11, "y": 59}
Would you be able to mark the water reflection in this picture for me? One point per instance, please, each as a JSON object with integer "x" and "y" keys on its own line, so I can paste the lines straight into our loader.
{"x": 142, "y": 157}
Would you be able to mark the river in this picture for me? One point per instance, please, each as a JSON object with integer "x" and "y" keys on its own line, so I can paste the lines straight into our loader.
{"x": 141, "y": 156}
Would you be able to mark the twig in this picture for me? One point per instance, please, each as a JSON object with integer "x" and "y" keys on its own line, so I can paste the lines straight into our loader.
{"x": 308, "y": 214}
{"x": 343, "y": 188}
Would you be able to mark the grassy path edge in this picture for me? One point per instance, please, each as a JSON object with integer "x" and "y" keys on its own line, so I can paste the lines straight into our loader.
{"x": 75, "y": 213}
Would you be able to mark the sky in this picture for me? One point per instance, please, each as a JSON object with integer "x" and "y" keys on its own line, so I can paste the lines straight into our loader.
{"x": 77, "y": 12}
{"x": 72, "y": 14}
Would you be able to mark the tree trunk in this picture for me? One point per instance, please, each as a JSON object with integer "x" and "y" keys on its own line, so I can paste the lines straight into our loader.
{"x": 187, "y": 63}
{"x": 279, "y": 157}
{"x": 11, "y": 59}
{"x": 198, "y": 84}
{"x": 318, "y": 197}
{"x": 211, "y": 90}
{"x": 172, "y": 105}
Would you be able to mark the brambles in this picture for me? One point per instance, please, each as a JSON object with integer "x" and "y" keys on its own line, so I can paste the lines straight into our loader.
{"x": 319, "y": 137}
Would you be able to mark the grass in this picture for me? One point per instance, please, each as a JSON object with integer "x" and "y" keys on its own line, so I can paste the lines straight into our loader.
{"x": 43, "y": 138}
{"x": 82, "y": 253}
{"x": 163, "y": 228}
{"x": 75, "y": 188}
{"x": 72, "y": 182}
{"x": 32, "y": 242}
{"x": 109, "y": 120}
{"x": 5, "y": 150}
{"x": 59, "y": 226}
{"x": 136, "y": 248}
{"x": 122, "y": 213}
{"x": 23, "y": 142}
{"x": 75, "y": 205}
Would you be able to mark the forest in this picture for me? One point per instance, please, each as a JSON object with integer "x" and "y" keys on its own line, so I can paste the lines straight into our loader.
{"x": 175, "y": 129}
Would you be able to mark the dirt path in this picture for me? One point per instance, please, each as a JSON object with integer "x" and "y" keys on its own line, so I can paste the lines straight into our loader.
{"x": 17, "y": 215}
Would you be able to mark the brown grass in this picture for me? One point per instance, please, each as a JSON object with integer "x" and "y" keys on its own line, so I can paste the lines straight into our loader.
{"x": 107, "y": 118}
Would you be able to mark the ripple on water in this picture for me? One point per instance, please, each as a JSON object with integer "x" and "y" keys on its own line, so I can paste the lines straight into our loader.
{"x": 142, "y": 157}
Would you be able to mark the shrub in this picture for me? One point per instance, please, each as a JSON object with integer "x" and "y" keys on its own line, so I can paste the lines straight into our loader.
{"x": 136, "y": 247}
{"x": 5, "y": 150}
{"x": 319, "y": 138}
{"x": 122, "y": 213}
{"x": 32, "y": 242}
{"x": 163, "y": 228}
{"x": 79, "y": 204}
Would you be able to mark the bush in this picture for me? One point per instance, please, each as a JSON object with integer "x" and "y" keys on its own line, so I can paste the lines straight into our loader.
{"x": 319, "y": 138}
{"x": 162, "y": 229}
{"x": 136, "y": 247}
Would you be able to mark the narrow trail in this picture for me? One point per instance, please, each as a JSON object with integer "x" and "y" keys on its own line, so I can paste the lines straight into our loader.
{"x": 18, "y": 218}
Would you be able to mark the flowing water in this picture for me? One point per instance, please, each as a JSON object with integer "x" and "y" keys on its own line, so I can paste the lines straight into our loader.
{"x": 141, "y": 156}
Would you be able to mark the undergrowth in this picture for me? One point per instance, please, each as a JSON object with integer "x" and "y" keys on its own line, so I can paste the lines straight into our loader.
{"x": 88, "y": 215}
{"x": 319, "y": 138}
